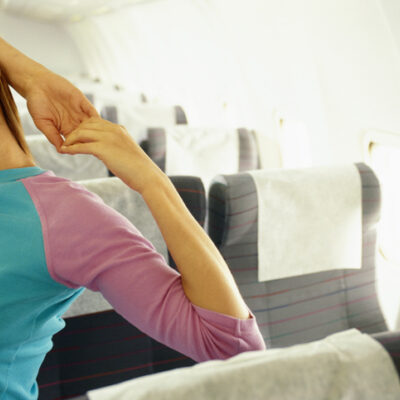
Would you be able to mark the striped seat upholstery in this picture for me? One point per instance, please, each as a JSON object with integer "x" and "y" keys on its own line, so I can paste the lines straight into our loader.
{"x": 77, "y": 167}
{"x": 297, "y": 309}
{"x": 101, "y": 348}
{"x": 248, "y": 149}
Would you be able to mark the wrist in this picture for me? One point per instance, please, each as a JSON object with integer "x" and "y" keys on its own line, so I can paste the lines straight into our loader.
{"x": 157, "y": 184}
{"x": 33, "y": 75}
{"x": 19, "y": 69}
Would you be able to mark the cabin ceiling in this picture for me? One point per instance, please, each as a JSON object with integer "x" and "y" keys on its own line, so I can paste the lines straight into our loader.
{"x": 62, "y": 10}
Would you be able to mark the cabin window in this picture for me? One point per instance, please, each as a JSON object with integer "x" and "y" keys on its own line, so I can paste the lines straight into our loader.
{"x": 384, "y": 157}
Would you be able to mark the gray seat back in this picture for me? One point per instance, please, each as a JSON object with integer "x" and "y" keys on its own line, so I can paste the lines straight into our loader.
{"x": 110, "y": 113}
{"x": 297, "y": 309}
{"x": 156, "y": 147}
{"x": 138, "y": 118}
{"x": 249, "y": 157}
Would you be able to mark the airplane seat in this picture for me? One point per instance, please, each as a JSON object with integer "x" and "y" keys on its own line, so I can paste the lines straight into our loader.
{"x": 144, "y": 144}
{"x": 300, "y": 308}
{"x": 344, "y": 365}
{"x": 249, "y": 155}
{"x": 180, "y": 116}
{"x": 138, "y": 118}
{"x": 157, "y": 148}
{"x": 98, "y": 347}
{"x": 391, "y": 342}
{"x": 78, "y": 167}
{"x": 156, "y": 144}
{"x": 145, "y": 113}
{"x": 110, "y": 113}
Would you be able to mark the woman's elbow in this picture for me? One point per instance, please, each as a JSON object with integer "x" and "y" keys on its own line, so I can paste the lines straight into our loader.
{"x": 220, "y": 345}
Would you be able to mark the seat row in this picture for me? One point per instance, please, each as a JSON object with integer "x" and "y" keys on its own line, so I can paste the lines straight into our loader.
{"x": 98, "y": 347}
{"x": 136, "y": 118}
{"x": 203, "y": 152}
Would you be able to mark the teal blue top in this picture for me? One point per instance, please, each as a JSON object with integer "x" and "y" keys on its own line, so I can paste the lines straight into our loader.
{"x": 31, "y": 301}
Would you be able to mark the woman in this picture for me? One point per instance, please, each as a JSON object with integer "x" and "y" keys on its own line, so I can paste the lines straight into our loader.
{"x": 57, "y": 238}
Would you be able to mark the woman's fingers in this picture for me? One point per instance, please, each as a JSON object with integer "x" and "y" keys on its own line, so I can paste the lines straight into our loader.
{"x": 82, "y": 135}
{"x": 92, "y": 129}
{"x": 80, "y": 148}
{"x": 94, "y": 124}
{"x": 103, "y": 139}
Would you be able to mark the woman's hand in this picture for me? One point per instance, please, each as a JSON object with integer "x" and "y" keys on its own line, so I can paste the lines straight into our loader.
{"x": 57, "y": 107}
{"x": 113, "y": 145}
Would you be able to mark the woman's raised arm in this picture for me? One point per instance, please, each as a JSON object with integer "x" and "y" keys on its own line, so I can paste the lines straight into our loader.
{"x": 206, "y": 278}
{"x": 59, "y": 109}
{"x": 19, "y": 69}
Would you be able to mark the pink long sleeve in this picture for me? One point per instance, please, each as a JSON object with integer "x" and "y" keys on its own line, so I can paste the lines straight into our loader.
{"x": 89, "y": 244}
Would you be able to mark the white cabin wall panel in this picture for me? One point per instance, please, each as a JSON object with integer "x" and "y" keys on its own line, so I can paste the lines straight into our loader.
{"x": 347, "y": 79}
{"x": 358, "y": 72}
{"x": 47, "y": 43}
{"x": 276, "y": 63}
{"x": 391, "y": 11}
{"x": 89, "y": 46}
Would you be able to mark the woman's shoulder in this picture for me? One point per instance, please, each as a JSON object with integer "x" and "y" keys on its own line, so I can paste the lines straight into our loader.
{"x": 48, "y": 187}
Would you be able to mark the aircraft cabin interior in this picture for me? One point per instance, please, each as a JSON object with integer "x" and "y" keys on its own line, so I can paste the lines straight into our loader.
{"x": 217, "y": 216}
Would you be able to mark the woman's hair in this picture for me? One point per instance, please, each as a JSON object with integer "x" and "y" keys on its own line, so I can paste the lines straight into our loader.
{"x": 10, "y": 113}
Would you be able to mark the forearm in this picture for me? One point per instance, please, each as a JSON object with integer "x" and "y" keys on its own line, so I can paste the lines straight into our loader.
{"x": 18, "y": 68}
{"x": 206, "y": 278}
